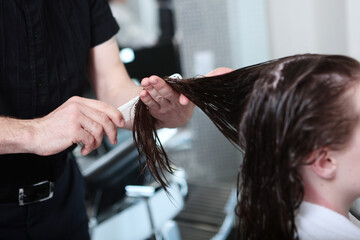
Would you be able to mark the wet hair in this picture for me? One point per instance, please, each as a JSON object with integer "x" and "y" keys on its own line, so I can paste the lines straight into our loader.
{"x": 278, "y": 113}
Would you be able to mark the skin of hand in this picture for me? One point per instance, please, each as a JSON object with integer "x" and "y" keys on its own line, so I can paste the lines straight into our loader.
{"x": 77, "y": 120}
{"x": 86, "y": 120}
{"x": 170, "y": 108}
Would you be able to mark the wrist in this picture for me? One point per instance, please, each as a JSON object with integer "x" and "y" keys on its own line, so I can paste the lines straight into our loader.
{"x": 18, "y": 136}
{"x": 30, "y": 142}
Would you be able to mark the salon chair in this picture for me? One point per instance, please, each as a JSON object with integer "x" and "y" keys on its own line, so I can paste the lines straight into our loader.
{"x": 355, "y": 209}
{"x": 107, "y": 176}
{"x": 115, "y": 211}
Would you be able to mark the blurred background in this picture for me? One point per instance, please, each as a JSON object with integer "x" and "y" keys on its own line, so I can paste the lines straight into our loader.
{"x": 192, "y": 37}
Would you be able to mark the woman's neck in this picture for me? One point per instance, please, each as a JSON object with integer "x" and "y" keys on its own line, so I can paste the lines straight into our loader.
{"x": 326, "y": 198}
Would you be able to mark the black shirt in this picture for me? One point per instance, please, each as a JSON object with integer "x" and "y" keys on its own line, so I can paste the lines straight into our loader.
{"x": 44, "y": 45}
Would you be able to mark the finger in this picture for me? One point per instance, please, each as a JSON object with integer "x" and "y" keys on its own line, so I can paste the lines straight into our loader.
{"x": 145, "y": 83}
{"x": 103, "y": 120}
{"x": 163, "y": 89}
{"x": 94, "y": 128}
{"x": 87, "y": 140}
{"x": 149, "y": 88}
{"x": 160, "y": 89}
{"x": 112, "y": 113}
{"x": 149, "y": 101}
{"x": 106, "y": 108}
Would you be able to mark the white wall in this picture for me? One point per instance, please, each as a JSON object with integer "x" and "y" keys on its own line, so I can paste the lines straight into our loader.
{"x": 248, "y": 32}
{"x": 353, "y": 28}
{"x": 309, "y": 26}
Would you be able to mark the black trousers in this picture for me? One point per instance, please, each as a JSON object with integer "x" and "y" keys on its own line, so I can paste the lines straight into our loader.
{"x": 61, "y": 217}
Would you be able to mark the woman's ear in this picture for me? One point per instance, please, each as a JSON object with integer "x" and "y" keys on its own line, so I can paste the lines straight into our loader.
{"x": 324, "y": 165}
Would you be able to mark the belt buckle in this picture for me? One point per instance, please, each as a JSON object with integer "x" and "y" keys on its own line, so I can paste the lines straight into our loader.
{"x": 37, "y": 192}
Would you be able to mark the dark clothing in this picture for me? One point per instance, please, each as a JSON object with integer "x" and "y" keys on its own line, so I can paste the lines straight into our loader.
{"x": 62, "y": 217}
{"x": 44, "y": 45}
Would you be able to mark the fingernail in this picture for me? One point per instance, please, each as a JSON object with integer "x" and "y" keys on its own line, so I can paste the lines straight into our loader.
{"x": 153, "y": 81}
{"x": 144, "y": 82}
{"x": 84, "y": 152}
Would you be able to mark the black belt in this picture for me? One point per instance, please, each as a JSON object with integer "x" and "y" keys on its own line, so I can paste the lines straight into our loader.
{"x": 37, "y": 192}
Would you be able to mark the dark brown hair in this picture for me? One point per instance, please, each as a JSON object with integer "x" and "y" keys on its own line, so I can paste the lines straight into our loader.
{"x": 278, "y": 113}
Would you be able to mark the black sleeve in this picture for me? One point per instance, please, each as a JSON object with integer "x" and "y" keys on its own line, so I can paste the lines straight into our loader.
{"x": 103, "y": 25}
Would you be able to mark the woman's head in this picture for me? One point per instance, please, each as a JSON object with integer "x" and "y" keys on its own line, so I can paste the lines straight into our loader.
{"x": 299, "y": 107}
{"x": 281, "y": 114}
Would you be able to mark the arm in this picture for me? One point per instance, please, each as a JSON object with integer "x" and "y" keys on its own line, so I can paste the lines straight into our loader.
{"x": 108, "y": 75}
{"x": 77, "y": 120}
{"x": 15, "y": 135}
{"x": 85, "y": 120}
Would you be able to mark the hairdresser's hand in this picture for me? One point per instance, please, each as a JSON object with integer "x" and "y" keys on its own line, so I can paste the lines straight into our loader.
{"x": 219, "y": 71}
{"x": 170, "y": 108}
{"x": 77, "y": 120}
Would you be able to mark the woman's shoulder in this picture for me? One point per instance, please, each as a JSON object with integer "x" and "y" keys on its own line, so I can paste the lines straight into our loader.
{"x": 317, "y": 222}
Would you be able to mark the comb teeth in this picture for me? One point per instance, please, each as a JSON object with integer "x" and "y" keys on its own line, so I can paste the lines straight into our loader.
{"x": 128, "y": 109}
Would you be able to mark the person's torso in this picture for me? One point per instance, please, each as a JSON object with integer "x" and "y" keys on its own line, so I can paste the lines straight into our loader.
{"x": 43, "y": 50}
{"x": 44, "y": 45}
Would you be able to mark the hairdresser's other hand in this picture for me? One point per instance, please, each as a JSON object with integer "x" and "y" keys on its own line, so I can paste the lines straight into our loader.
{"x": 170, "y": 108}
{"x": 219, "y": 71}
{"x": 77, "y": 120}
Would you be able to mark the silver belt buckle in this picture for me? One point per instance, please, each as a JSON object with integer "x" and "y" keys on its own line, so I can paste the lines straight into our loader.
{"x": 37, "y": 192}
